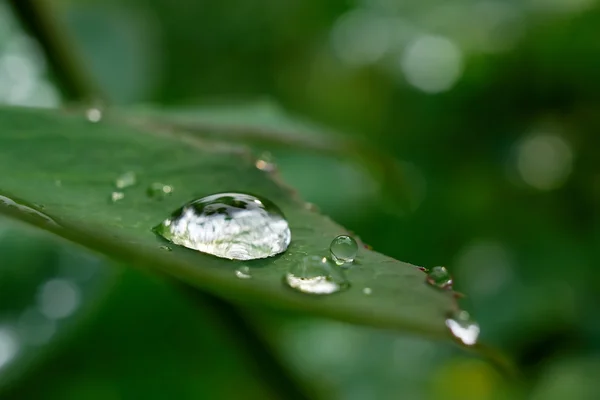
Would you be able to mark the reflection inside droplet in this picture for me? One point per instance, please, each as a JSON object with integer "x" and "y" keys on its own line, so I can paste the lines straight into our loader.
{"x": 243, "y": 273}
{"x": 58, "y": 298}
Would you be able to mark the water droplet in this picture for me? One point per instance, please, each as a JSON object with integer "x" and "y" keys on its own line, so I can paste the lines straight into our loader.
{"x": 343, "y": 249}
{"x": 311, "y": 207}
{"x": 159, "y": 190}
{"x": 126, "y": 180}
{"x": 58, "y": 183}
{"x": 243, "y": 272}
{"x": 166, "y": 248}
{"x": 463, "y": 327}
{"x": 116, "y": 196}
{"x": 367, "y": 291}
{"x": 266, "y": 162}
{"x": 26, "y": 209}
{"x": 93, "y": 114}
{"x": 316, "y": 275}
{"x": 440, "y": 277}
{"x": 229, "y": 225}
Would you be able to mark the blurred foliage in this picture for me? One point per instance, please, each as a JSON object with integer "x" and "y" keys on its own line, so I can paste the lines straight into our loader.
{"x": 501, "y": 146}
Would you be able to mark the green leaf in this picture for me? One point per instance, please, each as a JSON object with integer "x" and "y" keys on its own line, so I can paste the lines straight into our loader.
{"x": 67, "y": 166}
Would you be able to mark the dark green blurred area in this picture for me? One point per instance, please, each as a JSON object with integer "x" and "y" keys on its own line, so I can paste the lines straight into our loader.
{"x": 489, "y": 107}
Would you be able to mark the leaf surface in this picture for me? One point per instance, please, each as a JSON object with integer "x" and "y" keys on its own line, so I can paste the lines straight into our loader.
{"x": 67, "y": 167}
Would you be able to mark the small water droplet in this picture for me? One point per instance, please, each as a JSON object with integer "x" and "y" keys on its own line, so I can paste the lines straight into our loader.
{"x": 266, "y": 162}
{"x": 243, "y": 272}
{"x": 311, "y": 207}
{"x": 126, "y": 180}
{"x": 93, "y": 114}
{"x": 116, "y": 196}
{"x": 440, "y": 277}
{"x": 165, "y": 248}
{"x": 58, "y": 183}
{"x": 159, "y": 190}
{"x": 26, "y": 209}
{"x": 229, "y": 225}
{"x": 367, "y": 291}
{"x": 463, "y": 327}
{"x": 316, "y": 275}
{"x": 343, "y": 249}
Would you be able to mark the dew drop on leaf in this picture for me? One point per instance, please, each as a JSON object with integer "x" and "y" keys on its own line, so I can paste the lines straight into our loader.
{"x": 266, "y": 162}
{"x": 165, "y": 248}
{"x": 236, "y": 226}
{"x": 159, "y": 191}
{"x": 316, "y": 275}
{"x": 116, "y": 196}
{"x": 343, "y": 249}
{"x": 368, "y": 291}
{"x": 463, "y": 328}
{"x": 243, "y": 272}
{"x": 126, "y": 180}
{"x": 439, "y": 277}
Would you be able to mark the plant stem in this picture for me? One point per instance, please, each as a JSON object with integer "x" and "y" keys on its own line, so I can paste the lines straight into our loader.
{"x": 75, "y": 83}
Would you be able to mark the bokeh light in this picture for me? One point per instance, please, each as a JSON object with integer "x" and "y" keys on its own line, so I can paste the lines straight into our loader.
{"x": 544, "y": 161}
{"x": 432, "y": 64}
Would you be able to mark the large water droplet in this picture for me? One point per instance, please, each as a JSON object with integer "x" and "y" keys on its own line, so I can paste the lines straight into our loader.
{"x": 440, "y": 277}
{"x": 316, "y": 275}
{"x": 463, "y": 327}
{"x": 343, "y": 249}
{"x": 126, "y": 180}
{"x": 159, "y": 191}
{"x": 229, "y": 225}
